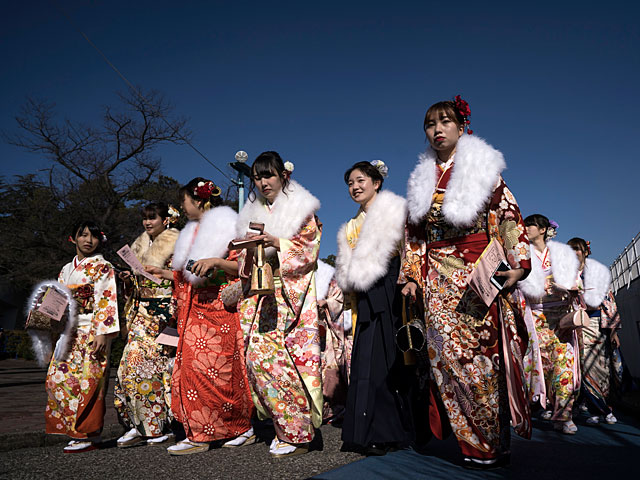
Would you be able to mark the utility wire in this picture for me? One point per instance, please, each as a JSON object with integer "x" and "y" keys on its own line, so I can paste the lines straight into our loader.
{"x": 134, "y": 89}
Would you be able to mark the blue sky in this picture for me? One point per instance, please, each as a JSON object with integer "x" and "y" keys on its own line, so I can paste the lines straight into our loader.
{"x": 553, "y": 85}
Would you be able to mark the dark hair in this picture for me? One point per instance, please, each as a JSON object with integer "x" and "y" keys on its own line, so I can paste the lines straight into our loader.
{"x": 539, "y": 221}
{"x": 449, "y": 109}
{"x": 189, "y": 189}
{"x": 267, "y": 164}
{"x": 369, "y": 170}
{"x": 93, "y": 227}
{"x": 155, "y": 209}
{"x": 578, "y": 243}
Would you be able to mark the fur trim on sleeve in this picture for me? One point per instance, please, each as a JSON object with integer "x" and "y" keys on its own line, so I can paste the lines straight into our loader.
{"x": 533, "y": 285}
{"x": 597, "y": 282}
{"x": 564, "y": 264}
{"x": 288, "y": 214}
{"x": 324, "y": 274}
{"x": 215, "y": 231}
{"x": 42, "y": 341}
{"x": 381, "y": 234}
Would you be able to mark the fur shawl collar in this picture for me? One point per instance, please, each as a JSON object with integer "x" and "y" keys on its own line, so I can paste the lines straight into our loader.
{"x": 597, "y": 282}
{"x": 287, "y": 215}
{"x": 160, "y": 250}
{"x": 564, "y": 267}
{"x": 215, "y": 231}
{"x": 324, "y": 274}
{"x": 381, "y": 233}
{"x": 476, "y": 170}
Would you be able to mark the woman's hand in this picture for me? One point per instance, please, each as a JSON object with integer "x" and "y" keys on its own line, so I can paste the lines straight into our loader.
{"x": 269, "y": 240}
{"x": 99, "y": 345}
{"x": 322, "y": 303}
{"x": 125, "y": 276}
{"x": 201, "y": 267}
{"x": 512, "y": 277}
{"x": 159, "y": 272}
{"x": 410, "y": 290}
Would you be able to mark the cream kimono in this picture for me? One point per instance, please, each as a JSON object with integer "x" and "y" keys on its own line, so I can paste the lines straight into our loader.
{"x": 281, "y": 329}
{"x": 76, "y": 381}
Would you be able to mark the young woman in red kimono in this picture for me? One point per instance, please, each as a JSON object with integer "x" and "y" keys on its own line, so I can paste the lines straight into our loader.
{"x": 457, "y": 203}
{"x": 210, "y": 390}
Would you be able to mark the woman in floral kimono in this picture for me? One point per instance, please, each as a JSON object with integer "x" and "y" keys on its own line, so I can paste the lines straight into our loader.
{"x": 552, "y": 367}
{"x": 210, "y": 391}
{"x": 458, "y": 202}
{"x": 77, "y": 379}
{"x": 377, "y": 418}
{"x": 335, "y": 343}
{"x": 600, "y": 339}
{"x": 281, "y": 328}
{"x": 143, "y": 383}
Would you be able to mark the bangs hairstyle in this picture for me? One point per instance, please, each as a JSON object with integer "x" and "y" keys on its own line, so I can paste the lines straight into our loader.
{"x": 448, "y": 108}
{"x": 578, "y": 243}
{"x": 188, "y": 190}
{"x": 93, "y": 227}
{"x": 155, "y": 209}
{"x": 367, "y": 169}
{"x": 266, "y": 165}
{"x": 538, "y": 220}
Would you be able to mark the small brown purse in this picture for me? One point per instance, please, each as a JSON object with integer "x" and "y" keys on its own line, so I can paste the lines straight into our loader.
{"x": 577, "y": 318}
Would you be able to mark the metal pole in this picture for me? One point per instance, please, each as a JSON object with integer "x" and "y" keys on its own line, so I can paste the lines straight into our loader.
{"x": 240, "y": 191}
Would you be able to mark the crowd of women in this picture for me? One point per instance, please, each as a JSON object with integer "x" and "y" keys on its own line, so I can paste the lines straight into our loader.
{"x": 319, "y": 344}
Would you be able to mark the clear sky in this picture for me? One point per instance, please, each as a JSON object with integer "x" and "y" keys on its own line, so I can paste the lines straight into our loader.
{"x": 553, "y": 85}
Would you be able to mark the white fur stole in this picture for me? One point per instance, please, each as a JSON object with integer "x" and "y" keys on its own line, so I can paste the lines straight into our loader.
{"x": 41, "y": 341}
{"x": 597, "y": 282}
{"x": 324, "y": 274}
{"x": 381, "y": 233}
{"x": 216, "y": 229}
{"x": 476, "y": 171}
{"x": 564, "y": 267}
{"x": 288, "y": 214}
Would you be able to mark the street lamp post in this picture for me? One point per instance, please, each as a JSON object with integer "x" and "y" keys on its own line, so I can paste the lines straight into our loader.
{"x": 240, "y": 166}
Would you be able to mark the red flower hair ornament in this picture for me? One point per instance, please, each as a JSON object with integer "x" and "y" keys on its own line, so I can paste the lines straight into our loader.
{"x": 206, "y": 190}
{"x": 463, "y": 109}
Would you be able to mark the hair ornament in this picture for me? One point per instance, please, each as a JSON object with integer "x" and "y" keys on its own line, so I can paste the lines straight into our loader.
{"x": 206, "y": 190}
{"x": 289, "y": 167}
{"x": 103, "y": 238}
{"x": 381, "y": 167}
{"x": 588, "y": 252}
{"x": 552, "y": 230}
{"x": 463, "y": 109}
{"x": 174, "y": 214}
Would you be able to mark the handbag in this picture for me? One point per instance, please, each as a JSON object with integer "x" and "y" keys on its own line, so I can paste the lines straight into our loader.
{"x": 577, "y": 318}
{"x": 231, "y": 294}
{"x": 36, "y": 320}
{"x": 411, "y": 336}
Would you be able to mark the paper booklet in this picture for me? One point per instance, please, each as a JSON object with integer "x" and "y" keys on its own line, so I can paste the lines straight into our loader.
{"x": 486, "y": 265}
{"x": 53, "y": 304}
{"x": 169, "y": 336}
{"x": 130, "y": 258}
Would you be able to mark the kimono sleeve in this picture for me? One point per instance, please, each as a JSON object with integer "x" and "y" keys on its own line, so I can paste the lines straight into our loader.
{"x": 298, "y": 256}
{"x": 105, "y": 310}
{"x": 335, "y": 300}
{"x": 609, "y": 316}
{"x": 506, "y": 224}
{"x": 413, "y": 267}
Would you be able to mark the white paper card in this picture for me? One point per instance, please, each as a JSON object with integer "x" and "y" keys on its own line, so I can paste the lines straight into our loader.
{"x": 130, "y": 258}
{"x": 53, "y": 304}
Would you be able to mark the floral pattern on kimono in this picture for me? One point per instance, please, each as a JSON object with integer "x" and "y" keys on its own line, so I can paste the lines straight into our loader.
{"x": 473, "y": 349}
{"x": 76, "y": 384}
{"x": 143, "y": 384}
{"x": 210, "y": 390}
{"x": 282, "y": 341}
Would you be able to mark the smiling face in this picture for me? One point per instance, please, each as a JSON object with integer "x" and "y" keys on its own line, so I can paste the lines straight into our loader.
{"x": 362, "y": 188}
{"x": 86, "y": 243}
{"x": 269, "y": 184}
{"x": 154, "y": 224}
{"x": 191, "y": 208}
{"x": 442, "y": 131}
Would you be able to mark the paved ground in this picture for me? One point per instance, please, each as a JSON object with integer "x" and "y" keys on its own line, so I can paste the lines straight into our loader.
{"x": 605, "y": 451}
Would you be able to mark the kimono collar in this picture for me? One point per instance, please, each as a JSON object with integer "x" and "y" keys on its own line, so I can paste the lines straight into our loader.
{"x": 381, "y": 234}
{"x": 287, "y": 215}
{"x": 475, "y": 173}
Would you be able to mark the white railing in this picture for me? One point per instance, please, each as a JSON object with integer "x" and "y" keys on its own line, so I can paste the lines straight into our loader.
{"x": 626, "y": 267}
